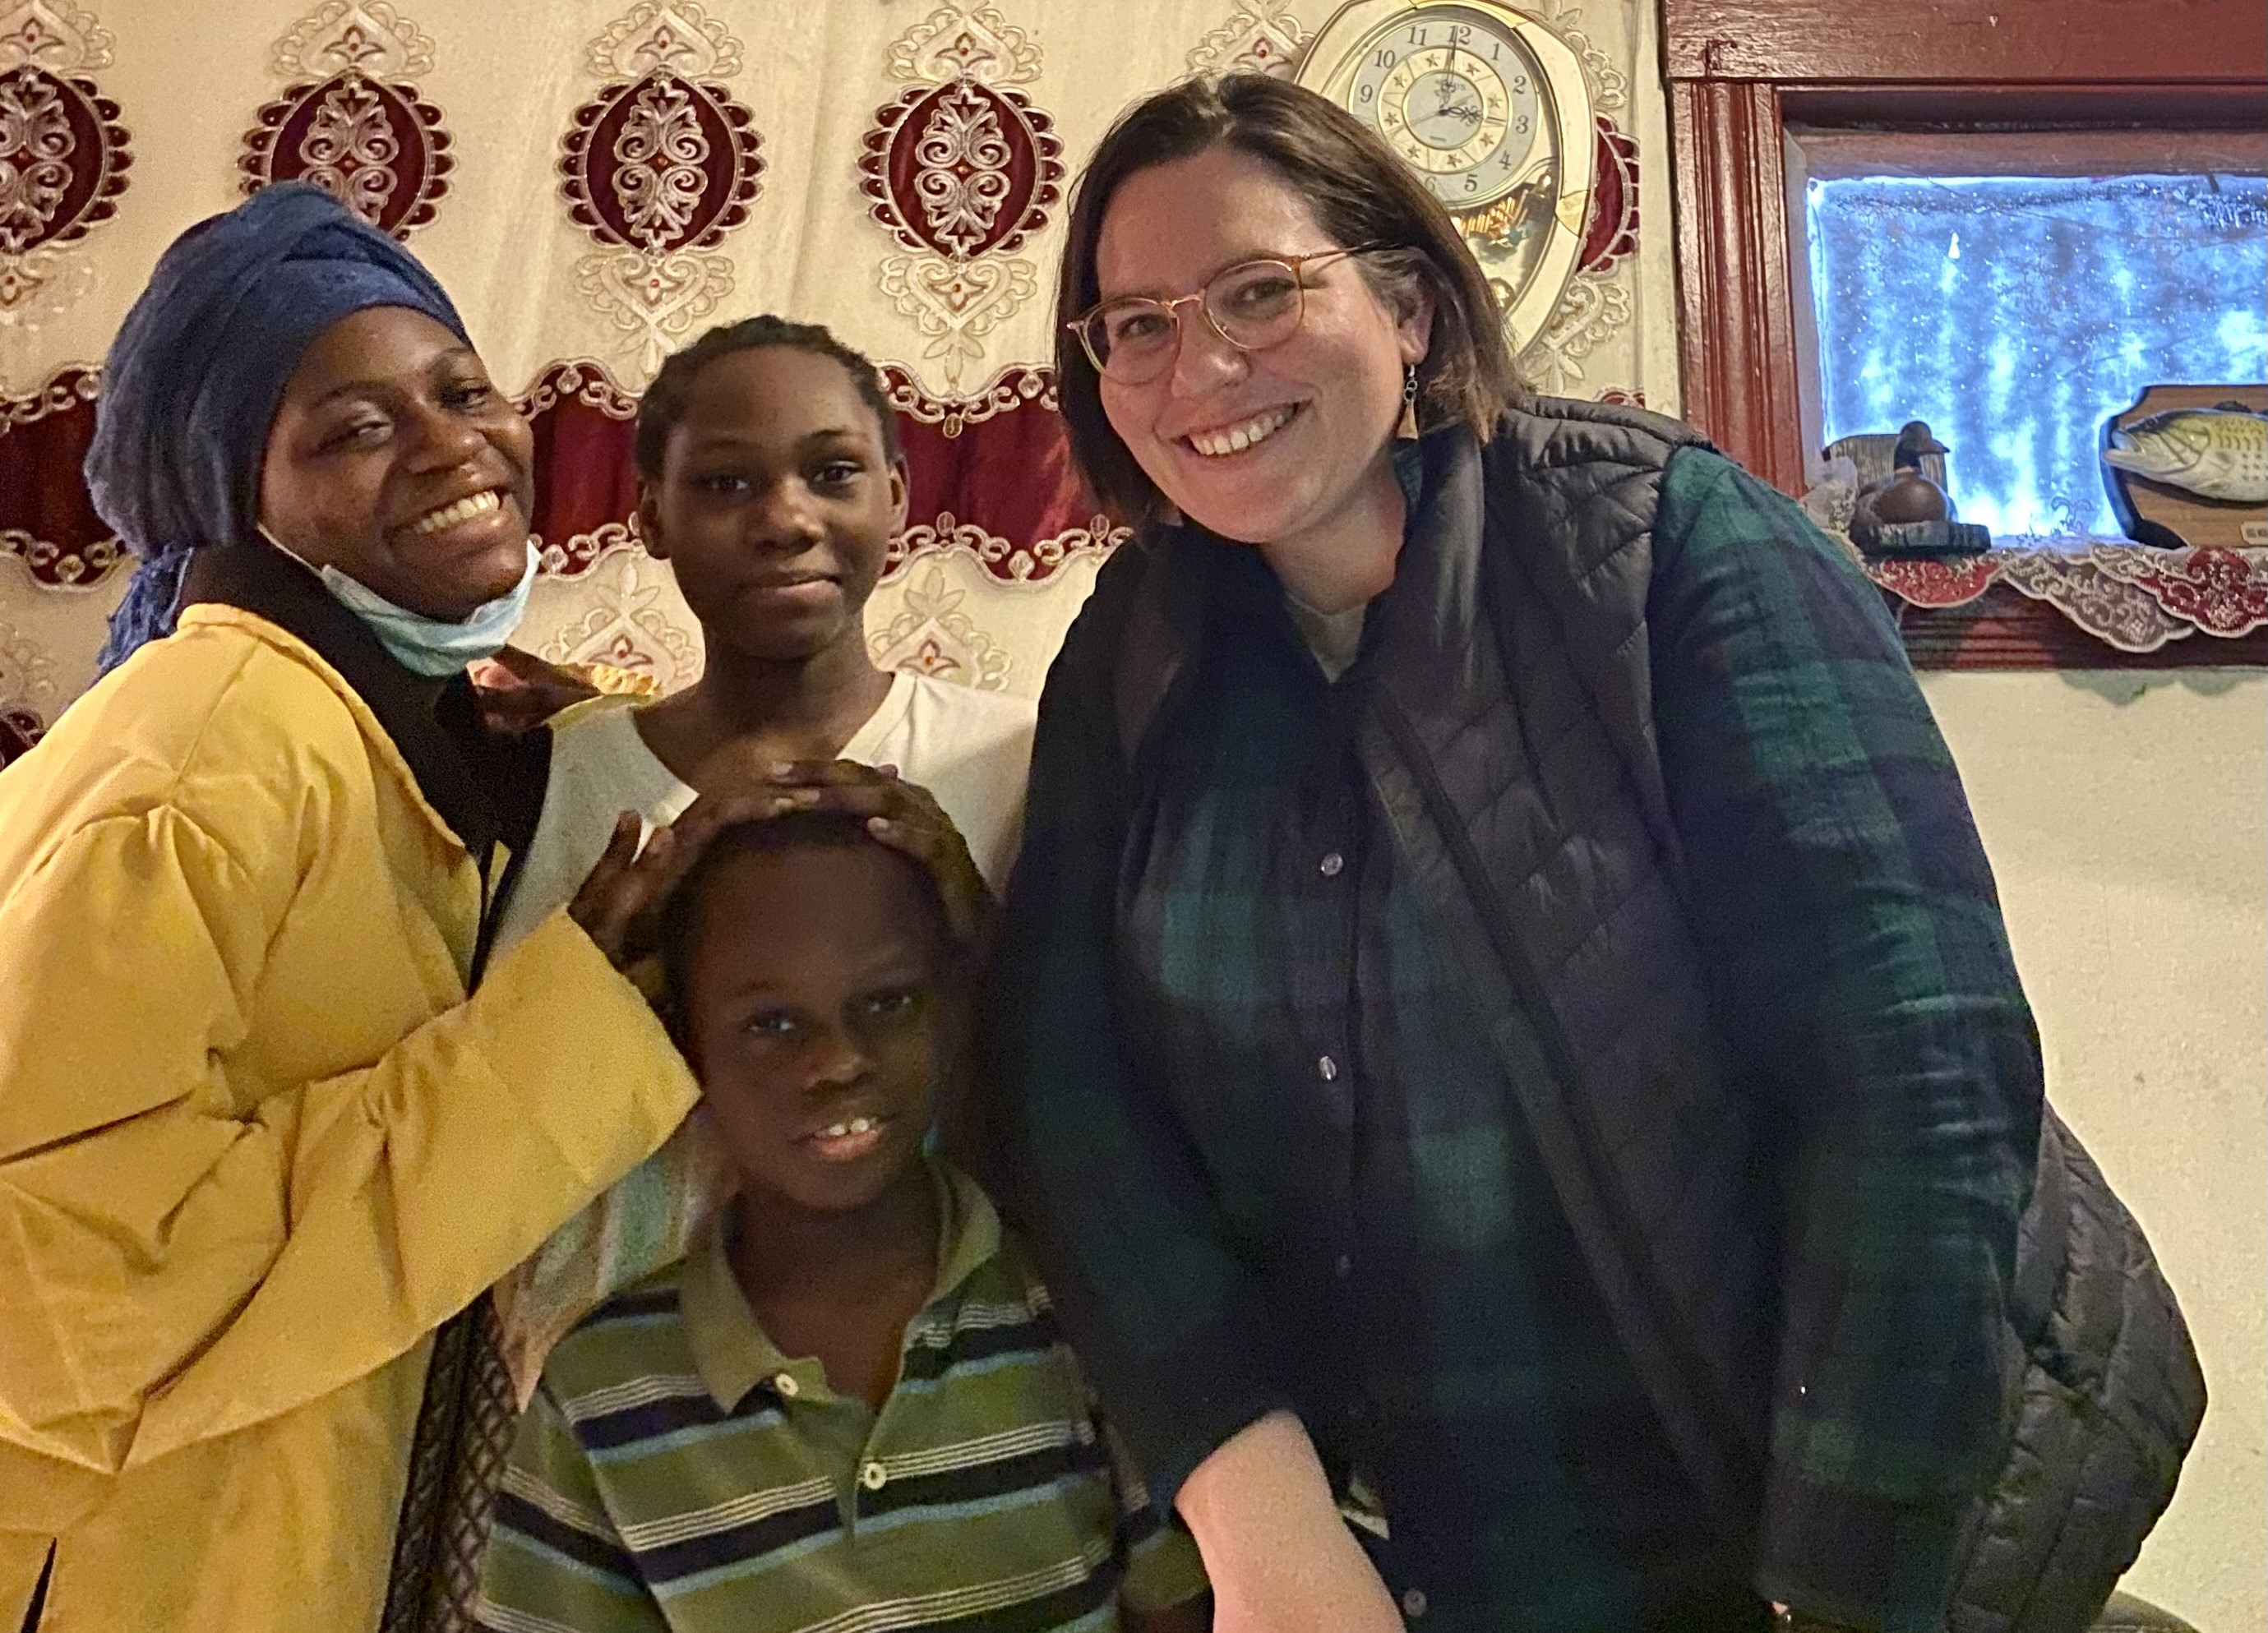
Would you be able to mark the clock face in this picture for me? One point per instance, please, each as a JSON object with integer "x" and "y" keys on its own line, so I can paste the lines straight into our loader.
{"x": 1490, "y": 110}
{"x": 1458, "y": 96}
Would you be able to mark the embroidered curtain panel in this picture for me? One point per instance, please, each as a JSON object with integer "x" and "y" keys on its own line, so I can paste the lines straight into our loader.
{"x": 597, "y": 180}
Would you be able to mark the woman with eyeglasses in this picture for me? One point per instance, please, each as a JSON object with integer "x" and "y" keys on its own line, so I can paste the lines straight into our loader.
{"x": 1504, "y": 1030}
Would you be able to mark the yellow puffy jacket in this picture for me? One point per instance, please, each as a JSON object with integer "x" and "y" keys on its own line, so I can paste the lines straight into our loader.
{"x": 255, "y": 1142}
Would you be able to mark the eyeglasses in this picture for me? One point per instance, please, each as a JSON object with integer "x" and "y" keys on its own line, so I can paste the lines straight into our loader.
{"x": 1253, "y": 305}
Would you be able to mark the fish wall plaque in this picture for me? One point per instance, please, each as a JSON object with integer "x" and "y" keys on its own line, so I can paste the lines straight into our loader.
{"x": 2188, "y": 465}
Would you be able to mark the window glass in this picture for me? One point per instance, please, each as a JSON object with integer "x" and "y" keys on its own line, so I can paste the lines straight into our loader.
{"x": 2015, "y": 314}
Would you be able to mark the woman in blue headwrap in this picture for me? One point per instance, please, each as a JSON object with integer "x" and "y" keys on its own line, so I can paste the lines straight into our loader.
{"x": 265, "y": 1123}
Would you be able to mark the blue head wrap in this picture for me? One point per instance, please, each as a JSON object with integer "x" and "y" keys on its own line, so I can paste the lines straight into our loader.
{"x": 193, "y": 379}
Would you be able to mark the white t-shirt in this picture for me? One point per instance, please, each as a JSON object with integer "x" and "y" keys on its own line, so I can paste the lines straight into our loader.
{"x": 972, "y": 750}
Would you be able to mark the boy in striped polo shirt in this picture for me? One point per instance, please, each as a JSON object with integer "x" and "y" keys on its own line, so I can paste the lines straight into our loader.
{"x": 849, "y": 1409}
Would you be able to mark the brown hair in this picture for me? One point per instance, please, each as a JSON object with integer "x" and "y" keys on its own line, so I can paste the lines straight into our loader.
{"x": 1359, "y": 194}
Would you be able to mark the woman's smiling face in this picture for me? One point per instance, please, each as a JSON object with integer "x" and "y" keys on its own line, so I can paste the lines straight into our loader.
{"x": 394, "y": 459}
{"x": 1316, "y": 412}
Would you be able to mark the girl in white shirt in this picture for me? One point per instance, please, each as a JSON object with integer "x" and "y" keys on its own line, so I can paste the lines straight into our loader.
{"x": 771, "y": 479}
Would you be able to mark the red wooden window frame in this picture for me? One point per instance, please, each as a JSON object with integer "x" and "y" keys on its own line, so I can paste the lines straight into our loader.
{"x": 1742, "y": 72}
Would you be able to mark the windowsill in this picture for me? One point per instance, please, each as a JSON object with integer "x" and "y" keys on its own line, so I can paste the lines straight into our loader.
{"x": 2038, "y": 603}
{"x": 2079, "y": 544}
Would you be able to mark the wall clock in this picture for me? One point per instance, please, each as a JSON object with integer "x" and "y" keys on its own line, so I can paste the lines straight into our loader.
{"x": 1490, "y": 109}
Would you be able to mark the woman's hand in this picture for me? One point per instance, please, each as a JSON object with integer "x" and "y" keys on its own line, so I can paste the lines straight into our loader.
{"x": 1280, "y": 1558}
{"x": 518, "y": 691}
{"x": 903, "y": 815}
{"x": 619, "y": 903}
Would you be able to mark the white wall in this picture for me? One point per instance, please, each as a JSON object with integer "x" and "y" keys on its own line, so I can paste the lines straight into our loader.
{"x": 2126, "y": 817}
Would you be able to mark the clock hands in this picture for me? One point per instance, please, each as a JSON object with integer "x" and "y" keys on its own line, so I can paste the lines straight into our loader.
{"x": 1459, "y": 101}
{"x": 1453, "y": 104}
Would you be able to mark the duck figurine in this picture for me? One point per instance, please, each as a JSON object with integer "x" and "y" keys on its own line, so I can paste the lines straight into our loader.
{"x": 1906, "y": 495}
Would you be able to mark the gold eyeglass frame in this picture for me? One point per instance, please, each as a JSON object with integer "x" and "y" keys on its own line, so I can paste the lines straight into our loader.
{"x": 1081, "y": 325}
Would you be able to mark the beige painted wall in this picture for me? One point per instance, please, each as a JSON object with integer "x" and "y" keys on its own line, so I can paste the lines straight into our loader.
{"x": 2127, "y": 820}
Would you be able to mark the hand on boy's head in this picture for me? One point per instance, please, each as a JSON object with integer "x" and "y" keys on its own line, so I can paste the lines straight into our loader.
{"x": 903, "y": 815}
{"x": 619, "y": 903}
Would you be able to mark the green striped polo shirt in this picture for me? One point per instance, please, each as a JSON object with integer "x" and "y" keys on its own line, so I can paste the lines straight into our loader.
{"x": 676, "y": 1471}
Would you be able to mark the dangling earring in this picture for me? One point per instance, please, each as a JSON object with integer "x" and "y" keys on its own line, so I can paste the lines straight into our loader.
{"x": 1408, "y": 426}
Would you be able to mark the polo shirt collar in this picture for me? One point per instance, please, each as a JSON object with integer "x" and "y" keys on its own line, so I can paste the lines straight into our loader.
{"x": 733, "y": 1354}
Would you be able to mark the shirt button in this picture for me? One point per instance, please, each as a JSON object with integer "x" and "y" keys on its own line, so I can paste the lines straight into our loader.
{"x": 1413, "y": 1602}
{"x": 873, "y": 1477}
{"x": 1327, "y": 1069}
{"x": 786, "y": 1385}
{"x": 1332, "y": 864}
{"x": 1344, "y": 1266}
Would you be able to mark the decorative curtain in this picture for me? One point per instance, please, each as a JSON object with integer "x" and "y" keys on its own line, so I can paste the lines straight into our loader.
{"x": 598, "y": 180}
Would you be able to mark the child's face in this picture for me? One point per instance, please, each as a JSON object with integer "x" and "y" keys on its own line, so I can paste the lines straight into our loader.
{"x": 776, "y": 503}
{"x": 818, "y": 1009}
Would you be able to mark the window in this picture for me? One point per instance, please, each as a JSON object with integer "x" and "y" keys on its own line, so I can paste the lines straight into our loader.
{"x": 2017, "y": 313}
{"x": 1767, "y": 96}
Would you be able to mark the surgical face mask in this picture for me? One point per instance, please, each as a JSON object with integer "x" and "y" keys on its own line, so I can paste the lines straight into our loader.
{"x": 433, "y": 647}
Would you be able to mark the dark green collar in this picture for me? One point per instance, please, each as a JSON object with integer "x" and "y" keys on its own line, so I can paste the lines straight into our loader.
{"x": 733, "y": 1353}
{"x": 1188, "y": 572}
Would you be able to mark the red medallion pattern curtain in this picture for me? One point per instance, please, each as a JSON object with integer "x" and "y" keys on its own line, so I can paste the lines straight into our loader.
{"x": 598, "y": 180}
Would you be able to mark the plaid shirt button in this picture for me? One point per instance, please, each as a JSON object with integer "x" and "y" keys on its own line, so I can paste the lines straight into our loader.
{"x": 1327, "y": 1069}
{"x": 1413, "y": 1602}
{"x": 1332, "y": 864}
